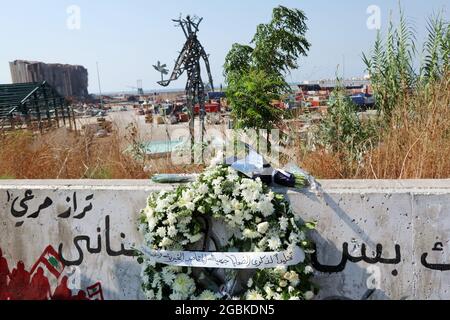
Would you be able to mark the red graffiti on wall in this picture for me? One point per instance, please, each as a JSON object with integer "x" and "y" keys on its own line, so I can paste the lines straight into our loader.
{"x": 19, "y": 284}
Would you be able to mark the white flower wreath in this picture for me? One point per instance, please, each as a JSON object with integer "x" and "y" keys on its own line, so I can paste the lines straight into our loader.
{"x": 255, "y": 219}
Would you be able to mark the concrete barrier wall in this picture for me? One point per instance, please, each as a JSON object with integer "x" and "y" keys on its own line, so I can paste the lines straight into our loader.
{"x": 391, "y": 236}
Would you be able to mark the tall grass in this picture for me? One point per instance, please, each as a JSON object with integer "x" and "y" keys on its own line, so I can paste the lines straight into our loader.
{"x": 412, "y": 137}
{"x": 343, "y": 133}
{"x": 62, "y": 154}
{"x": 417, "y": 143}
{"x": 391, "y": 66}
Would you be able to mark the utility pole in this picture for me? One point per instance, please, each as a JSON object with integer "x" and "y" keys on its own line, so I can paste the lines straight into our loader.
{"x": 99, "y": 87}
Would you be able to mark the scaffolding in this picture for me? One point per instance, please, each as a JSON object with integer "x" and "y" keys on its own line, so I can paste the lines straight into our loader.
{"x": 35, "y": 106}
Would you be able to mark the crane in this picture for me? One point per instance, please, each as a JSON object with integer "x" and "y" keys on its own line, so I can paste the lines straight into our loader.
{"x": 140, "y": 90}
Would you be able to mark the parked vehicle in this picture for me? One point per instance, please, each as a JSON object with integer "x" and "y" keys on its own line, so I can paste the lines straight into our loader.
{"x": 209, "y": 108}
{"x": 183, "y": 117}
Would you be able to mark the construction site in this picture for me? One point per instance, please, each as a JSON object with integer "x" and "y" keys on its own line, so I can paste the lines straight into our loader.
{"x": 331, "y": 126}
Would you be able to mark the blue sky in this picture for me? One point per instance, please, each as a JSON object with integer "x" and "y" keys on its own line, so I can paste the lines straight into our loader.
{"x": 127, "y": 37}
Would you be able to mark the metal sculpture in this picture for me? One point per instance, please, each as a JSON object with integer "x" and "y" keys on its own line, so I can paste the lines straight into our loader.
{"x": 189, "y": 61}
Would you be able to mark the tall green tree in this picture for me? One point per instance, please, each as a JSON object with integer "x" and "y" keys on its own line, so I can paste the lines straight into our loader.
{"x": 255, "y": 91}
{"x": 255, "y": 73}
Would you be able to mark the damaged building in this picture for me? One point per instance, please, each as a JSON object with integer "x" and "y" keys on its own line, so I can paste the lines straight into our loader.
{"x": 68, "y": 80}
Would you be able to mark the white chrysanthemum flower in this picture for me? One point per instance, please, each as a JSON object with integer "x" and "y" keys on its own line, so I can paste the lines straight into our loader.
{"x": 277, "y": 296}
{"x": 293, "y": 278}
{"x": 309, "y": 295}
{"x": 167, "y": 276}
{"x": 274, "y": 243}
{"x": 149, "y": 213}
{"x": 171, "y": 218}
{"x": 176, "y": 296}
{"x": 187, "y": 200}
{"x": 262, "y": 242}
{"x": 294, "y": 238}
{"x": 226, "y": 206}
{"x": 159, "y": 294}
{"x": 236, "y": 220}
{"x": 250, "y": 195}
{"x": 190, "y": 206}
{"x": 175, "y": 269}
{"x": 232, "y": 177}
{"x": 269, "y": 292}
{"x": 263, "y": 227}
{"x": 160, "y": 206}
{"x": 172, "y": 231}
{"x": 152, "y": 223}
{"x": 149, "y": 263}
{"x": 156, "y": 280}
{"x": 250, "y": 234}
{"x": 293, "y": 223}
{"x": 217, "y": 190}
{"x": 203, "y": 189}
{"x": 247, "y": 216}
{"x": 149, "y": 294}
{"x": 250, "y": 283}
{"x": 280, "y": 270}
{"x": 165, "y": 242}
{"x": 266, "y": 207}
{"x": 161, "y": 231}
{"x": 218, "y": 181}
{"x": 294, "y": 298}
{"x": 284, "y": 223}
{"x": 308, "y": 270}
{"x": 236, "y": 205}
{"x": 184, "y": 285}
{"x": 207, "y": 295}
{"x": 148, "y": 238}
{"x": 254, "y": 295}
{"x": 184, "y": 221}
{"x": 283, "y": 283}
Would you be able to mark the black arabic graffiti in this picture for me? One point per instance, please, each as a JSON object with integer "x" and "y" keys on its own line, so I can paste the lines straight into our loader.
{"x": 438, "y": 246}
{"x": 346, "y": 256}
{"x": 24, "y": 206}
{"x": 21, "y": 209}
{"x": 98, "y": 248}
